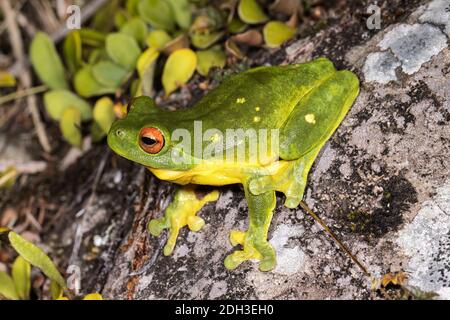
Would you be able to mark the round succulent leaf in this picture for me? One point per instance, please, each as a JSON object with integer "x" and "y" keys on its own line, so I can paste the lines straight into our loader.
{"x": 179, "y": 68}
{"x": 104, "y": 114}
{"x": 146, "y": 70}
{"x": 180, "y": 42}
{"x": 21, "y": 271}
{"x": 92, "y": 38}
{"x": 158, "y": 39}
{"x": 182, "y": 13}
{"x": 123, "y": 49}
{"x": 208, "y": 59}
{"x": 158, "y": 13}
{"x": 86, "y": 85}
{"x": 203, "y": 41}
{"x": 69, "y": 125}
{"x": 72, "y": 51}
{"x": 136, "y": 28}
{"x": 120, "y": 18}
{"x": 46, "y": 62}
{"x": 251, "y": 12}
{"x": 251, "y": 37}
{"x": 7, "y": 287}
{"x": 57, "y": 101}
{"x": 109, "y": 74}
{"x": 236, "y": 25}
{"x": 276, "y": 33}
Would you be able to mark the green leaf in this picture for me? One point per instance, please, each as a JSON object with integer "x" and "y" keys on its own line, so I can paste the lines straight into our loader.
{"x": 7, "y": 287}
{"x": 203, "y": 41}
{"x": 132, "y": 7}
{"x": 236, "y": 25}
{"x": 135, "y": 28}
{"x": 251, "y": 12}
{"x": 158, "y": 39}
{"x": 182, "y": 13}
{"x": 123, "y": 49}
{"x": 7, "y": 79}
{"x": 72, "y": 51}
{"x": 46, "y": 62}
{"x": 57, "y": 101}
{"x": 97, "y": 133}
{"x": 276, "y": 33}
{"x": 179, "y": 68}
{"x": 146, "y": 69}
{"x": 208, "y": 59}
{"x": 92, "y": 38}
{"x": 120, "y": 18}
{"x": 102, "y": 20}
{"x": 104, "y": 113}
{"x": 8, "y": 177}
{"x": 70, "y": 126}
{"x": 109, "y": 74}
{"x": 36, "y": 257}
{"x": 158, "y": 13}
{"x": 56, "y": 290}
{"x": 87, "y": 86}
{"x": 21, "y": 270}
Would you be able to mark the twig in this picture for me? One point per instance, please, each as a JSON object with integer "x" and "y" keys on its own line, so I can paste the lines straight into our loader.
{"x": 335, "y": 238}
{"x": 22, "y": 94}
{"x": 25, "y": 77}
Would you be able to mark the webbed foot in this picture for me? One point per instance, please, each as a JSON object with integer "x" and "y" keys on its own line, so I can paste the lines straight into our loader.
{"x": 254, "y": 241}
{"x": 181, "y": 212}
{"x": 254, "y": 248}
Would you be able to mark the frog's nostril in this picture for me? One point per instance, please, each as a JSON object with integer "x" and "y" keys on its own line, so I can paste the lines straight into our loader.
{"x": 120, "y": 133}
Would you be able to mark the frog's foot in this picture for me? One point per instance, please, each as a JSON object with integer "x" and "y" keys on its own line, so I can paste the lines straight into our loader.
{"x": 254, "y": 248}
{"x": 181, "y": 212}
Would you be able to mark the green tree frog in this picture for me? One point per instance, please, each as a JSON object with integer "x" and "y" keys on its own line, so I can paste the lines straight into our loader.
{"x": 228, "y": 138}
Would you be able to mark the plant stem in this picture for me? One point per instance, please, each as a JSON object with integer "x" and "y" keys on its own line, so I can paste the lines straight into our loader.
{"x": 22, "y": 93}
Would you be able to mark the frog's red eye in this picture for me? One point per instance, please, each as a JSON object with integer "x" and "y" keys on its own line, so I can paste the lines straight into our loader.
{"x": 151, "y": 140}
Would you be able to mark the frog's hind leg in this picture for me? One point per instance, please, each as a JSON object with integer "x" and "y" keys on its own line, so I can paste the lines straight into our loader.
{"x": 182, "y": 212}
{"x": 290, "y": 179}
{"x": 254, "y": 241}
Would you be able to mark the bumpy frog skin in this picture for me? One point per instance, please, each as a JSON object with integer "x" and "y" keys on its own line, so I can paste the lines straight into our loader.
{"x": 304, "y": 102}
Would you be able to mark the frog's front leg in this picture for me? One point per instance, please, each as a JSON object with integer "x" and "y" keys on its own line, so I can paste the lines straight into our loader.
{"x": 254, "y": 241}
{"x": 188, "y": 200}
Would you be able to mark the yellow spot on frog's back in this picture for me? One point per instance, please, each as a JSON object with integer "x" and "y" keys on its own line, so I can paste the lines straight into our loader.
{"x": 240, "y": 100}
{"x": 256, "y": 119}
{"x": 310, "y": 118}
{"x": 257, "y": 109}
{"x": 215, "y": 137}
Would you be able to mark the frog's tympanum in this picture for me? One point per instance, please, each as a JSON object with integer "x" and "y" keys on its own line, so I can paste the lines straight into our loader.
{"x": 262, "y": 128}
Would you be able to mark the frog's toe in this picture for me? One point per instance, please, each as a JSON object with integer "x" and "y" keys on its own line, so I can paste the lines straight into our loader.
{"x": 292, "y": 202}
{"x": 259, "y": 249}
{"x": 156, "y": 226}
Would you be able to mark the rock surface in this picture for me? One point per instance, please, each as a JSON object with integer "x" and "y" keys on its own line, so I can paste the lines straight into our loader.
{"x": 382, "y": 183}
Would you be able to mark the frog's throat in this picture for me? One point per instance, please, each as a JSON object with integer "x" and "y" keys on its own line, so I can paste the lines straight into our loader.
{"x": 215, "y": 174}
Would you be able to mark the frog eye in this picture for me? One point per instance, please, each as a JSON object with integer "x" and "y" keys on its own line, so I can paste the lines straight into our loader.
{"x": 151, "y": 140}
